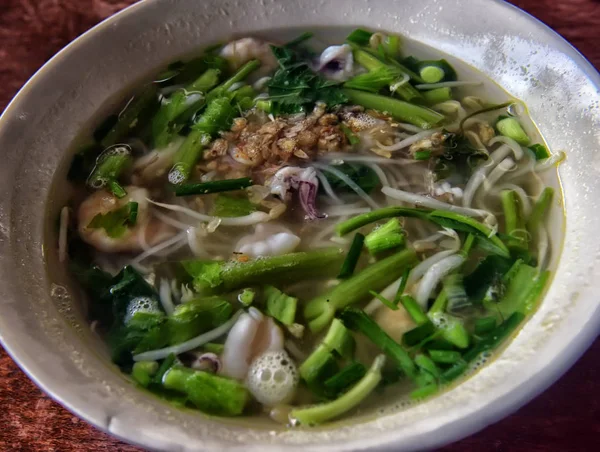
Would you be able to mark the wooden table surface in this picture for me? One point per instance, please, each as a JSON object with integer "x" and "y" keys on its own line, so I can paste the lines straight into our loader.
{"x": 566, "y": 417}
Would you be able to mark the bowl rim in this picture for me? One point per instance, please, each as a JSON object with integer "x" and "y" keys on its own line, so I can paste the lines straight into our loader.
{"x": 552, "y": 371}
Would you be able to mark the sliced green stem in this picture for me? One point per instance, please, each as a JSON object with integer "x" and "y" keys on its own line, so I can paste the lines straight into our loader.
{"x": 539, "y": 211}
{"x": 352, "y": 257}
{"x": 212, "y": 186}
{"x": 319, "y": 311}
{"x": 187, "y": 156}
{"x": 320, "y": 413}
{"x": 422, "y": 117}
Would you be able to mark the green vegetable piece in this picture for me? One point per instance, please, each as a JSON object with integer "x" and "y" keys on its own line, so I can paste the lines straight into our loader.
{"x": 359, "y": 221}
{"x": 414, "y": 310}
{"x": 350, "y": 136}
{"x": 196, "y": 317}
{"x": 321, "y": 363}
{"x": 300, "y": 39}
{"x": 445, "y": 68}
{"x": 514, "y": 221}
{"x": 187, "y": 155}
{"x": 496, "y": 337}
{"x": 143, "y": 371}
{"x": 360, "y": 37}
{"x": 246, "y": 297}
{"x": 232, "y": 206}
{"x": 376, "y": 79}
{"x": 455, "y": 371}
{"x": 222, "y": 91}
{"x": 539, "y": 211}
{"x": 344, "y": 379}
{"x": 280, "y": 306}
{"x": 210, "y": 393}
{"x": 444, "y": 356}
{"x": 319, "y": 311}
{"x": 352, "y": 257}
{"x": 204, "y": 188}
{"x": 385, "y": 301}
{"x": 424, "y": 392}
{"x": 166, "y": 364}
{"x": 454, "y": 290}
{"x": 320, "y": 413}
{"x": 453, "y": 329}
{"x": 524, "y": 287}
{"x": 386, "y": 72}
{"x": 210, "y": 347}
{"x": 400, "y": 110}
{"x": 388, "y": 236}
{"x": 358, "y": 320}
{"x": 426, "y": 364}
{"x": 109, "y": 166}
{"x": 510, "y": 127}
{"x": 422, "y": 155}
{"x": 418, "y": 334}
{"x": 484, "y": 325}
{"x": 181, "y": 106}
{"x": 440, "y": 303}
{"x": 295, "y": 87}
{"x": 220, "y": 276}
{"x": 462, "y": 223}
{"x": 116, "y": 222}
{"x": 540, "y": 151}
{"x": 432, "y": 74}
{"x": 437, "y": 95}
{"x": 128, "y": 118}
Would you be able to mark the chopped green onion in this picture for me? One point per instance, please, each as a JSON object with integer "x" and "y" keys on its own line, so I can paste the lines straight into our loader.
{"x": 418, "y": 334}
{"x": 109, "y": 167}
{"x": 510, "y": 127}
{"x": 413, "y": 309}
{"x": 133, "y": 213}
{"x": 320, "y": 413}
{"x": 280, "y": 306}
{"x": 352, "y": 257}
{"x": 539, "y": 151}
{"x": 360, "y": 37}
{"x": 422, "y": 117}
{"x": 384, "y": 300}
{"x": 439, "y": 305}
{"x": 350, "y": 136}
{"x": 128, "y": 118}
{"x": 402, "y": 286}
{"x": 358, "y": 320}
{"x": 385, "y": 237}
{"x": 422, "y": 155}
{"x": 300, "y": 39}
{"x": 456, "y": 293}
{"x": 143, "y": 371}
{"x": 424, "y": 391}
{"x": 320, "y": 310}
{"x": 212, "y": 187}
{"x": 437, "y": 95}
{"x": 539, "y": 211}
{"x": 246, "y": 297}
{"x": 484, "y": 325}
{"x": 340, "y": 382}
{"x": 425, "y": 363}
{"x": 432, "y": 74}
{"x": 444, "y": 356}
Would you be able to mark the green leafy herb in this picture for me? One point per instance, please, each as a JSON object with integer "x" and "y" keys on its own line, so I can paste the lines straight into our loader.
{"x": 295, "y": 87}
{"x": 116, "y": 222}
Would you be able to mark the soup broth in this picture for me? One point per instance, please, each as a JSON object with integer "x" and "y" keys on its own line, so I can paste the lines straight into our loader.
{"x": 300, "y": 230}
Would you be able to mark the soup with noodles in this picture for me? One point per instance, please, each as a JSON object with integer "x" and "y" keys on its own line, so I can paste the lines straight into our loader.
{"x": 291, "y": 229}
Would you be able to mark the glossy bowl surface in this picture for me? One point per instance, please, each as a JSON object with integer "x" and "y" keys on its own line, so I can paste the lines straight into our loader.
{"x": 44, "y": 331}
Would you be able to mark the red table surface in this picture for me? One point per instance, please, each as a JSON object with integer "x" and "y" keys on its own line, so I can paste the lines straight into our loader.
{"x": 566, "y": 417}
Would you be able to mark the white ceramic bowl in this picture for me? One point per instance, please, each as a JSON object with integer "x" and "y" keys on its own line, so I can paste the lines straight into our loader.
{"x": 44, "y": 331}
